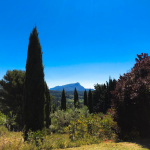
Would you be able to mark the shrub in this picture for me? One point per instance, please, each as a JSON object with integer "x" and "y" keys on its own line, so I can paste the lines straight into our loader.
{"x": 93, "y": 125}
{"x": 64, "y": 118}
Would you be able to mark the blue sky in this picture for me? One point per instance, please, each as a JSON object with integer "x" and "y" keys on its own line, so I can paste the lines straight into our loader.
{"x": 82, "y": 41}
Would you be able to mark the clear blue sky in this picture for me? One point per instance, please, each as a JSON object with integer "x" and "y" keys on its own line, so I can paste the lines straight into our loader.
{"x": 83, "y": 41}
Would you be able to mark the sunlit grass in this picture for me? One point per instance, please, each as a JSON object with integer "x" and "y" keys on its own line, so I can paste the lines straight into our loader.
{"x": 14, "y": 140}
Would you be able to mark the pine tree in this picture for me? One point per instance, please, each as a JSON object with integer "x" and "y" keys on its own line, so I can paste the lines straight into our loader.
{"x": 33, "y": 108}
{"x": 63, "y": 101}
{"x": 90, "y": 100}
{"x": 85, "y": 98}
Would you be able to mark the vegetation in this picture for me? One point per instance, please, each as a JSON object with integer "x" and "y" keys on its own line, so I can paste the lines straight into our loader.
{"x": 90, "y": 102}
{"x": 48, "y": 106}
{"x": 83, "y": 130}
{"x": 131, "y": 100}
{"x": 33, "y": 100}
{"x": 76, "y": 99}
{"x": 63, "y": 101}
{"x": 114, "y": 110}
{"x": 85, "y": 98}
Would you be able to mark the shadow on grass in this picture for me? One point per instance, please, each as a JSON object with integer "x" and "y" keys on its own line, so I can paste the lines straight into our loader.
{"x": 144, "y": 142}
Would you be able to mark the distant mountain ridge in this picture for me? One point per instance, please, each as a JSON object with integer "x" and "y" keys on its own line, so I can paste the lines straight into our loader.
{"x": 70, "y": 87}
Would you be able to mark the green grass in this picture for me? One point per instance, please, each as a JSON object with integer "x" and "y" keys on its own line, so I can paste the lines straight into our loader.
{"x": 75, "y": 136}
{"x": 14, "y": 141}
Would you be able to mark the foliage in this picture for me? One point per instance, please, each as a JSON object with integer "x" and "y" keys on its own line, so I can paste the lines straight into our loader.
{"x": 3, "y": 130}
{"x": 12, "y": 104}
{"x": 33, "y": 100}
{"x": 93, "y": 125}
{"x": 102, "y": 96}
{"x": 64, "y": 118}
{"x": 90, "y": 102}
{"x": 48, "y": 106}
{"x": 2, "y": 118}
{"x": 76, "y": 99}
{"x": 63, "y": 101}
{"x": 85, "y": 98}
{"x": 13, "y": 94}
{"x": 131, "y": 100}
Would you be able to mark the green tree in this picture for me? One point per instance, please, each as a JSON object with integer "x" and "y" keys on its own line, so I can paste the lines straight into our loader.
{"x": 76, "y": 100}
{"x": 33, "y": 109}
{"x": 48, "y": 106}
{"x": 63, "y": 101}
{"x": 90, "y": 101}
{"x": 11, "y": 96}
{"x": 85, "y": 98}
{"x": 11, "y": 101}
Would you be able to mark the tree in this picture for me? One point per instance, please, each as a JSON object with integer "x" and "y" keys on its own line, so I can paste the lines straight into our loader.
{"x": 90, "y": 100}
{"x": 63, "y": 101}
{"x": 48, "y": 106}
{"x": 85, "y": 98}
{"x": 102, "y": 96}
{"x": 12, "y": 94}
{"x": 76, "y": 100}
{"x": 33, "y": 108}
{"x": 131, "y": 100}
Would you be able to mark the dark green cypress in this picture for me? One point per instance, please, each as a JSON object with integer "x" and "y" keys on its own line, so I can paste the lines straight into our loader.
{"x": 76, "y": 101}
{"x": 33, "y": 108}
{"x": 63, "y": 101}
{"x": 85, "y": 98}
{"x": 90, "y": 100}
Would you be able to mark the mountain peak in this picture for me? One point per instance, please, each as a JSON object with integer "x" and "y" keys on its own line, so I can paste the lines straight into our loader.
{"x": 70, "y": 87}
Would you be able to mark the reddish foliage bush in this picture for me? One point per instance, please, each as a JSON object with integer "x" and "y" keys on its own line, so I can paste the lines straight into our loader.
{"x": 131, "y": 99}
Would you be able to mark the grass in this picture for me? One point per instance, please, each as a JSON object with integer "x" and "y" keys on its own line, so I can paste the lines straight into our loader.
{"x": 14, "y": 141}
{"x": 72, "y": 138}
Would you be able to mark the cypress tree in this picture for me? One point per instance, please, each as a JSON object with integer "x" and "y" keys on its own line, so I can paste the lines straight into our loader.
{"x": 90, "y": 100}
{"x": 63, "y": 101}
{"x": 85, "y": 98}
{"x": 75, "y": 97}
{"x": 76, "y": 101}
{"x": 33, "y": 108}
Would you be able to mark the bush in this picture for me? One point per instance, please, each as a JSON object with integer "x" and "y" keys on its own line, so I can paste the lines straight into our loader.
{"x": 3, "y": 130}
{"x": 2, "y": 118}
{"x": 64, "y": 118}
{"x": 93, "y": 125}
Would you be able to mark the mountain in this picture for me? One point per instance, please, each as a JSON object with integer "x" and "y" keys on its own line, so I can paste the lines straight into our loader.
{"x": 70, "y": 87}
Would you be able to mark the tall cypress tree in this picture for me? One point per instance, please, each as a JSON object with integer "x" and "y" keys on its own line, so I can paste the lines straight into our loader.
{"x": 90, "y": 100}
{"x": 75, "y": 98}
{"x": 78, "y": 103}
{"x": 85, "y": 98}
{"x": 33, "y": 108}
{"x": 63, "y": 101}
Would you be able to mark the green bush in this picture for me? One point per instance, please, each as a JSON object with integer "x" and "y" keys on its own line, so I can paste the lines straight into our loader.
{"x": 2, "y": 118}
{"x": 64, "y": 118}
{"x": 3, "y": 130}
{"x": 93, "y": 125}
